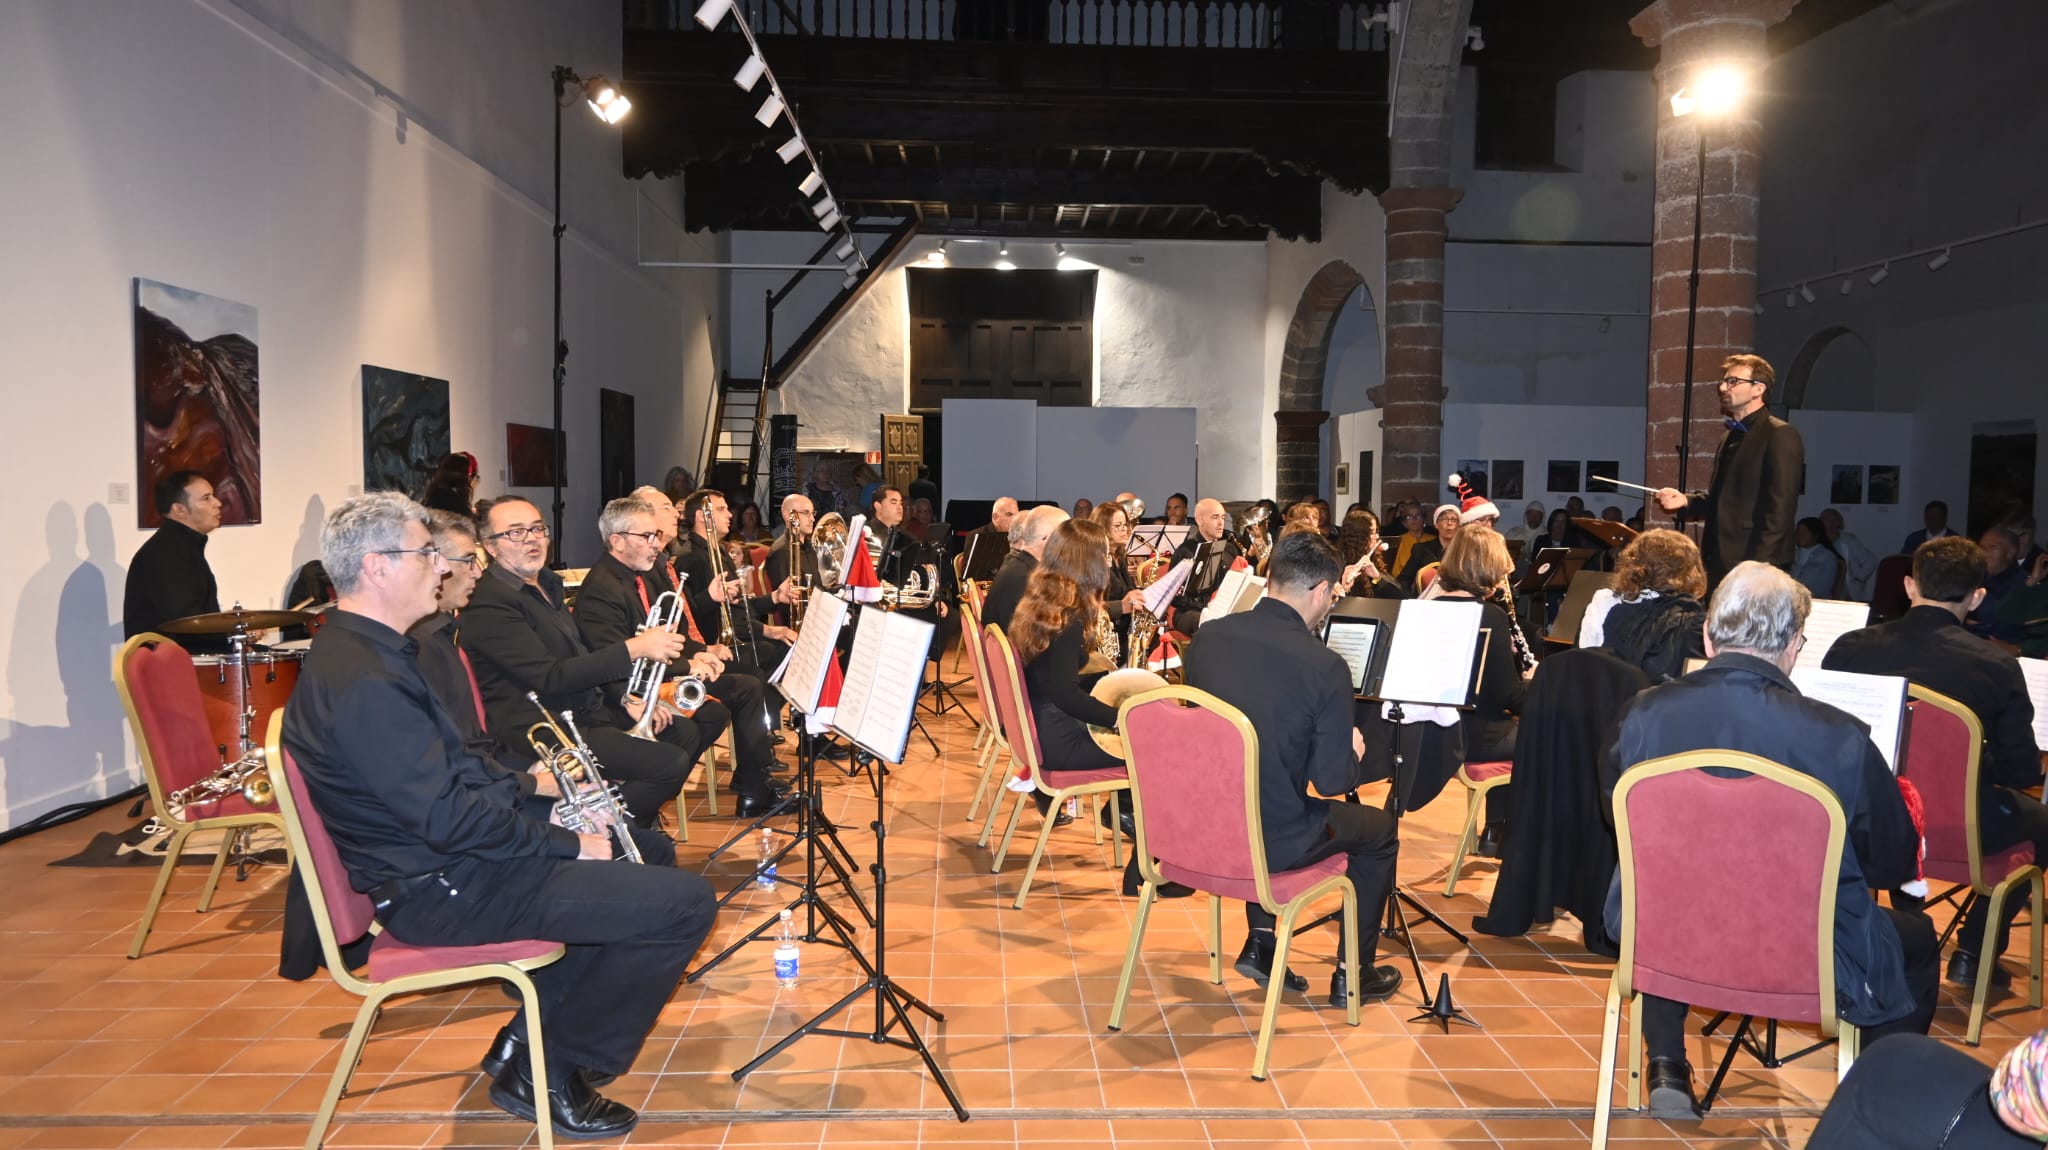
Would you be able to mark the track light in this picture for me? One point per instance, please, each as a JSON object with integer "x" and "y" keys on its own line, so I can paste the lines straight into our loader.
{"x": 1003, "y": 263}
{"x": 770, "y": 108}
{"x": 811, "y": 184}
{"x": 937, "y": 256}
{"x": 1806, "y": 292}
{"x": 1848, "y": 285}
{"x": 830, "y": 221}
{"x": 844, "y": 251}
{"x": 750, "y": 73}
{"x": 1791, "y": 299}
{"x": 824, "y": 207}
{"x": 606, "y": 100}
{"x": 851, "y": 279}
{"x": 1938, "y": 262}
{"x": 790, "y": 150}
{"x": 1877, "y": 277}
{"x": 711, "y": 12}
{"x": 1060, "y": 250}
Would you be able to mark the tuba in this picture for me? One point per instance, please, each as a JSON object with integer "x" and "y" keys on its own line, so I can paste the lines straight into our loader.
{"x": 645, "y": 687}
{"x": 828, "y": 543}
{"x": 588, "y": 805}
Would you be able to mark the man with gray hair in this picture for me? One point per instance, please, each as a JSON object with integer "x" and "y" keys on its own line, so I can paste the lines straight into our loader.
{"x": 450, "y": 850}
{"x": 1887, "y": 972}
{"x": 1028, "y": 533}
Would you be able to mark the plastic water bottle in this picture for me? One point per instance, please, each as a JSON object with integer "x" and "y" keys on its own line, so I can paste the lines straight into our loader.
{"x": 764, "y": 871}
{"x": 1073, "y": 806}
{"x": 787, "y": 957}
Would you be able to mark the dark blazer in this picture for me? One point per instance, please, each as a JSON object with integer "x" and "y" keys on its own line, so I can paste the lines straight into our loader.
{"x": 610, "y": 608}
{"x": 1297, "y": 694}
{"x": 1202, "y": 582}
{"x": 1753, "y": 501}
{"x": 521, "y": 639}
{"x": 1419, "y": 556}
{"x": 1008, "y": 589}
{"x": 1742, "y": 703}
{"x": 1928, "y": 646}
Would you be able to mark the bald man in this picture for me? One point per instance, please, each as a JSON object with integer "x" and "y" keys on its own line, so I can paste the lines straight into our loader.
{"x": 987, "y": 546}
{"x": 1213, "y": 549}
{"x": 1028, "y": 533}
{"x": 790, "y": 556}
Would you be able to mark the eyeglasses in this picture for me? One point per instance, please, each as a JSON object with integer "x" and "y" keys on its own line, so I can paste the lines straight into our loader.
{"x": 648, "y": 536}
{"x": 428, "y": 553}
{"x": 522, "y": 534}
{"x": 466, "y": 559}
{"x": 1733, "y": 380}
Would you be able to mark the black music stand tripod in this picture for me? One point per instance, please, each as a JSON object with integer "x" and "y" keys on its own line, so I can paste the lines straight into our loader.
{"x": 892, "y": 1002}
{"x": 1397, "y": 925}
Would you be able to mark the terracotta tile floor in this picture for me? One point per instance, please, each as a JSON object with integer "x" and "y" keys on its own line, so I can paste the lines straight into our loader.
{"x": 199, "y": 1044}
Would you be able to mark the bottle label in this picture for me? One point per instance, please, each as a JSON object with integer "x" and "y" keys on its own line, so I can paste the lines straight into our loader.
{"x": 786, "y": 959}
{"x": 765, "y": 876}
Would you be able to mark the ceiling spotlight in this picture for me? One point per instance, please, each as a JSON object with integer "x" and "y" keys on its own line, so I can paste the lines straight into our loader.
{"x": 606, "y": 100}
{"x": 1848, "y": 284}
{"x": 1004, "y": 251}
{"x": 937, "y": 256}
{"x": 1791, "y": 299}
{"x": 1806, "y": 292}
{"x": 844, "y": 251}
{"x": 830, "y": 221}
{"x": 770, "y": 108}
{"x": 1059, "y": 250}
{"x": 791, "y": 150}
{"x": 1877, "y": 277}
{"x": 1938, "y": 262}
{"x": 851, "y": 279}
{"x": 824, "y": 207}
{"x": 811, "y": 184}
{"x": 711, "y": 12}
{"x": 750, "y": 73}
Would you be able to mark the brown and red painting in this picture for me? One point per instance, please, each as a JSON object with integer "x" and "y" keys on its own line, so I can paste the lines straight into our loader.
{"x": 195, "y": 398}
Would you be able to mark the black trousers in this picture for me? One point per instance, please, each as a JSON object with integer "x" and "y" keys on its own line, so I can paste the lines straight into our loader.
{"x": 2009, "y": 818}
{"x": 649, "y": 773}
{"x": 630, "y": 932}
{"x": 741, "y": 700}
{"x": 1911, "y": 1092}
{"x": 1664, "y": 1019}
{"x": 1370, "y": 838}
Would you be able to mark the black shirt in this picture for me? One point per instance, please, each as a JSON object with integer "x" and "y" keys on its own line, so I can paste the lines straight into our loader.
{"x": 1008, "y": 589}
{"x": 1053, "y": 679}
{"x": 168, "y": 579}
{"x": 1208, "y": 572}
{"x": 441, "y": 663}
{"x": 388, "y": 769}
{"x": 520, "y": 638}
{"x": 1297, "y": 694}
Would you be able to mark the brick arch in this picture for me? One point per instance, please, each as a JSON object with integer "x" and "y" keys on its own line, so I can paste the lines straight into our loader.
{"x": 1798, "y": 376}
{"x": 1298, "y": 446}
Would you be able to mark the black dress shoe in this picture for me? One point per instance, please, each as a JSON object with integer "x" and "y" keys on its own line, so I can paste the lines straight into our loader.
{"x": 1124, "y": 822}
{"x": 1133, "y": 884}
{"x": 578, "y": 1111}
{"x": 1595, "y": 937}
{"x": 1962, "y": 968}
{"x": 754, "y": 806}
{"x": 1489, "y": 844}
{"x": 507, "y": 1049}
{"x": 1255, "y": 962}
{"x": 1380, "y": 983}
{"x": 777, "y": 766}
{"x": 778, "y": 788}
{"x": 833, "y": 752}
{"x": 1671, "y": 1095}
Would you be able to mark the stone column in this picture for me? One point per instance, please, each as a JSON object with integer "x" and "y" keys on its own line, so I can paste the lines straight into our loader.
{"x": 1298, "y": 453}
{"x": 1412, "y": 398}
{"x": 1695, "y": 36}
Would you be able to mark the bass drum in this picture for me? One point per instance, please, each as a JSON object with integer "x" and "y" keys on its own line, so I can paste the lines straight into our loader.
{"x": 271, "y": 677}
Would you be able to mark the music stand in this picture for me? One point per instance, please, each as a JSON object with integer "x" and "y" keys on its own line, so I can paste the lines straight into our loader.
{"x": 1611, "y": 535}
{"x": 1572, "y": 611}
{"x": 876, "y": 707}
{"x": 1552, "y": 570}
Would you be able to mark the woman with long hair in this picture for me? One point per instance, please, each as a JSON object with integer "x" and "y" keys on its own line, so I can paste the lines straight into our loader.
{"x": 1049, "y": 632}
{"x": 1815, "y": 562}
{"x": 452, "y": 486}
{"x": 1119, "y": 595}
{"x": 1364, "y": 554}
{"x": 1659, "y": 588}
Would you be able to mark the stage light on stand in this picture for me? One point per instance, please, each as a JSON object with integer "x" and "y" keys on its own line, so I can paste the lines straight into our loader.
{"x": 1877, "y": 277}
{"x": 1938, "y": 262}
{"x": 770, "y": 108}
{"x": 711, "y": 12}
{"x": 750, "y": 73}
{"x": 791, "y": 149}
{"x": 609, "y": 104}
{"x": 811, "y": 184}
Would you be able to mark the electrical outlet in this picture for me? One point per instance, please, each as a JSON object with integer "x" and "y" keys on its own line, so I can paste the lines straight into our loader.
{"x": 117, "y": 494}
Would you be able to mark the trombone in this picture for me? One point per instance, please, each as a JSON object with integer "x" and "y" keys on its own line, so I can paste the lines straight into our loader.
{"x": 588, "y": 804}
{"x": 644, "y": 685}
{"x": 720, "y": 570}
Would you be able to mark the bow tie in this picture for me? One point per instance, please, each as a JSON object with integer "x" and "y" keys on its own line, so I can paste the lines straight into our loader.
{"x": 1735, "y": 425}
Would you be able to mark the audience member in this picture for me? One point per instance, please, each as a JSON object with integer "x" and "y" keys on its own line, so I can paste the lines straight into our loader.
{"x": 2002, "y": 577}
{"x": 1530, "y": 527}
{"x": 1414, "y": 525}
{"x": 1431, "y": 550}
{"x": 1815, "y": 562}
{"x": 1654, "y": 612}
{"x": 2026, "y": 610}
{"x": 1935, "y": 519}
{"x": 1859, "y": 564}
{"x": 452, "y": 486}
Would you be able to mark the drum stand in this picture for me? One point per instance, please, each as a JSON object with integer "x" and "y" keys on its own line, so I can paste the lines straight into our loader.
{"x": 236, "y": 845}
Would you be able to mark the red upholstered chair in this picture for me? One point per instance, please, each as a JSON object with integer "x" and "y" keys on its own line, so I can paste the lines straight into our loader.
{"x": 1194, "y": 767}
{"x": 395, "y": 967}
{"x": 1692, "y": 911}
{"x": 1944, "y": 742}
{"x": 1006, "y": 679}
{"x": 1478, "y": 778}
{"x": 1888, "y": 588}
{"x": 757, "y": 579}
{"x": 1426, "y": 577}
{"x": 989, "y": 745}
{"x": 160, "y": 692}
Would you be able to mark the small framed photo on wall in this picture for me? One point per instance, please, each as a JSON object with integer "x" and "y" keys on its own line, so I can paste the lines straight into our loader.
{"x": 1884, "y": 483}
{"x": 1563, "y": 475}
{"x": 1507, "y": 479}
{"x": 1605, "y": 469}
{"x": 1847, "y": 485}
{"x": 1342, "y": 484}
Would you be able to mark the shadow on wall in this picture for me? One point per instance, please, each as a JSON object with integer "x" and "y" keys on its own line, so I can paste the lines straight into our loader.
{"x": 307, "y": 547}
{"x": 65, "y": 740}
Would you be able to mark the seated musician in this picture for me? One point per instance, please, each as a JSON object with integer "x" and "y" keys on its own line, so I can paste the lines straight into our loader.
{"x": 520, "y": 637}
{"x": 1652, "y": 616}
{"x": 711, "y": 583}
{"x": 454, "y": 853}
{"x": 1210, "y": 563}
{"x": 1887, "y": 963}
{"x": 1431, "y": 550}
{"x": 1365, "y": 554}
{"x": 1050, "y": 635}
{"x": 898, "y": 554}
{"x": 1121, "y": 596}
{"x": 1476, "y": 568}
{"x": 790, "y": 558}
{"x": 1028, "y": 534}
{"x": 1930, "y": 646}
{"x": 169, "y": 577}
{"x": 1296, "y": 692}
{"x": 611, "y": 607}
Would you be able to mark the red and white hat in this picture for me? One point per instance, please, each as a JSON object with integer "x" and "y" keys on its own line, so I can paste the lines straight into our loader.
{"x": 1471, "y": 508}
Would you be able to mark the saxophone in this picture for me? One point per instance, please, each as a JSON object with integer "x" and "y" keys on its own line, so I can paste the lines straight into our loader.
{"x": 1144, "y": 636}
{"x": 1102, "y": 637}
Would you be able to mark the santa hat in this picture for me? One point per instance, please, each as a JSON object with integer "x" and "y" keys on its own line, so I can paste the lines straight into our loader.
{"x": 820, "y": 719}
{"x": 1471, "y": 507}
{"x": 861, "y": 579}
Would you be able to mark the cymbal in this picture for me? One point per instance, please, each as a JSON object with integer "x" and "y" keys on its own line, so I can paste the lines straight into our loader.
{"x": 226, "y": 622}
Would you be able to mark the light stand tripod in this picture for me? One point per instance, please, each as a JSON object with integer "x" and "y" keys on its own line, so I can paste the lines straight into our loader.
{"x": 892, "y": 1003}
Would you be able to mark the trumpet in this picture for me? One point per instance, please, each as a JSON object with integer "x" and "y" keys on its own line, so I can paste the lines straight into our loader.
{"x": 249, "y": 777}
{"x": 588, "y": 804}
{"x": 644, "y": 686}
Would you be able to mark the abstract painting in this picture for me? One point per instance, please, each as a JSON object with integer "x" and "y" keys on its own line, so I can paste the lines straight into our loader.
{"x": 614, "y": 444}
{"x": 1474, "y": 473}
{"x": 530, "y": 454}
{"x": 1563, "y": 475}
{"x": 1507, "y": 479}
{"x": 195, "y": 398}
{"x": 1847, "y": 484}
{"x": 1884, "y": 483}
{"x": 1606, "y": 469}
{"x": 405, "y": 429}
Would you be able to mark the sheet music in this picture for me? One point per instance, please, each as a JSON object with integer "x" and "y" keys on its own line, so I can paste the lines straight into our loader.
{"x": 1830, "y": 620}
{"x": 882, "y": 677}
{"x": 1228, "y": 589}
{"x": 2036, "y": 671}
{"x": 1253, "y": 591}
{"x": 854, "y": 538}
{"x": 1879, "y": 700}
{"x": 1164, "y": 588}
{"x": 1354, "y": 639}
{"x": 1430, "y": 660}
{"x": 1156, "y": 539}
{"x": 802, "y": 674}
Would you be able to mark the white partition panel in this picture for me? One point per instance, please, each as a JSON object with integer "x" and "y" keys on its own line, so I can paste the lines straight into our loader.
{"x": 991, "y": 448}
{"x": 1855, "y": 443}
{"x": 1097, "y": 452}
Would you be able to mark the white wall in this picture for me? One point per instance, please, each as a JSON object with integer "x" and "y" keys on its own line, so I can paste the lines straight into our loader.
{"x": 1863, "y": 438}
{"x": 190, "y": 142}
{"x": 1539, "y": 433}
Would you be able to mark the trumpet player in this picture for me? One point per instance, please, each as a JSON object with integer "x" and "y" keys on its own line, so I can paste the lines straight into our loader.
{"x": 451, "y": 852}
{"x": 789, "y": 558}
{"x": 521, "y": 637}
{"x": 618, "y": 597}
{"x": 716, "y": 595}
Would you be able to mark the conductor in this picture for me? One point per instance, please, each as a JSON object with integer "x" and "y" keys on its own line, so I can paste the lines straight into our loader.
{"x": 1753, "y": 500}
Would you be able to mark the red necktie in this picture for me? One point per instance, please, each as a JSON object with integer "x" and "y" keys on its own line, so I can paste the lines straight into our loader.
{"x": 474, "y": 692}
{"x": 688, "y": 618}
